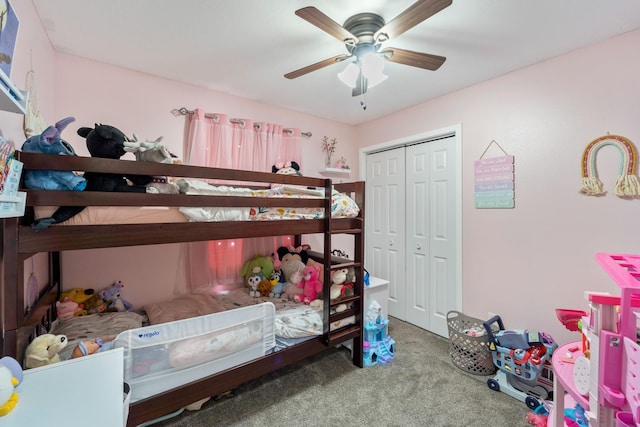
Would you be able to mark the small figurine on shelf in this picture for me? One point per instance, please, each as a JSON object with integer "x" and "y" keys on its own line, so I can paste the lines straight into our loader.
{"x": 342, "y": 164}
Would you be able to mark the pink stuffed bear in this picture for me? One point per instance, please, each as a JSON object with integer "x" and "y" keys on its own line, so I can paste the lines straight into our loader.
{"x": 311, "y": 284}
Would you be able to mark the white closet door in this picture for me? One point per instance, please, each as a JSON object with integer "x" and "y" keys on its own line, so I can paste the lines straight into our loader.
{"x": 418, "y": 215}
{"x": 431, "y": 228}
{"x": 443, "y": 237}
{"x": 385, "y": 239}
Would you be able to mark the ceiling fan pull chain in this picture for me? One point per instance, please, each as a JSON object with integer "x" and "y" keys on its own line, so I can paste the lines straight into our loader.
{"x": 362, "y": 103}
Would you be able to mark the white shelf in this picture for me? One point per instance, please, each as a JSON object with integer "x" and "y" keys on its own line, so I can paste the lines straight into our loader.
{"x": 335, "y": 171}
{"x": 11, "y": 103}
{"x": 11, "y": 206}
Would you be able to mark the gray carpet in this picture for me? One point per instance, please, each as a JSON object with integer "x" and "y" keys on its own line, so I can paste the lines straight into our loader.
{"x": 421, "y": 387}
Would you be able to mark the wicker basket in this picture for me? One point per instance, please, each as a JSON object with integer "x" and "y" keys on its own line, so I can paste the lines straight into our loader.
{"x": 469, "y": 353}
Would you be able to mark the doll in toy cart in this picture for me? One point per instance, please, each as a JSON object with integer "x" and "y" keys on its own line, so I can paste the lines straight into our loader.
{"x": 523, "y": 360}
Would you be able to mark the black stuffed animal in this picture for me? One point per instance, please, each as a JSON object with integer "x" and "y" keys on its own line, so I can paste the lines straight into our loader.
{"x": 106, "y": 142}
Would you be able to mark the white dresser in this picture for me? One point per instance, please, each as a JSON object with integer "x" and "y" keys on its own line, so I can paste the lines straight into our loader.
{"x": 377, "y": 290}
{"x": 87, "y": 391}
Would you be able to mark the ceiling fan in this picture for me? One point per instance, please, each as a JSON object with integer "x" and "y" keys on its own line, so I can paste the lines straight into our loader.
{"x": 364, "y": 33}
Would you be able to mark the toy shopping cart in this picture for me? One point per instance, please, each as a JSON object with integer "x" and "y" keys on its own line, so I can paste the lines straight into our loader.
{"x": 523, "y": 360}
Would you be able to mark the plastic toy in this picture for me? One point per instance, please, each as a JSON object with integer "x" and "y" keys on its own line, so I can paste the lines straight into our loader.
{"x": 87, "y": 347}
{"x": 523, "y": 373}
{"x": 576, "y": 416}
{"x": 570, "y": 318}
{"x": 378, "y": 347}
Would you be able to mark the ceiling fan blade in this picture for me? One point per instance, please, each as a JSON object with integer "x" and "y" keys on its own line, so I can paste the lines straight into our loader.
{"x": 361, "y": 85}
{"x": 316, "y": 66}
{"x": 326, "y": 24}
{"x": 415, "y": 14}
{"x": 415, "y": 59}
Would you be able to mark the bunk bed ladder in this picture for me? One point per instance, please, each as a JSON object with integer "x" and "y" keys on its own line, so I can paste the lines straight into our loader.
{"x": 355, "y": 304}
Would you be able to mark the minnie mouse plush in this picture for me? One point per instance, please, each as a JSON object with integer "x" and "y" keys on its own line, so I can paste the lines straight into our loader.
{"x": 288, "y": 168}
{"x": 287, "y": 253}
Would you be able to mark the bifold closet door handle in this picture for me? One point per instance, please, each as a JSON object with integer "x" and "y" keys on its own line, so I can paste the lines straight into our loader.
{"x": 390, "y": 242}
{"x": 418, "y": 246}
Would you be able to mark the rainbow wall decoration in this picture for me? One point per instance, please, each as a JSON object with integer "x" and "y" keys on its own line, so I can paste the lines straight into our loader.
{"x": 627, "y": 185}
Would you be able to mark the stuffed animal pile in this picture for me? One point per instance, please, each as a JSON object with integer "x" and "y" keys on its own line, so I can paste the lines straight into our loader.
{"x": 295, "y": 275}
{"x": 82, "y": 302}
{"x": 72, "y": 302}
{"x": 107, "y": 142}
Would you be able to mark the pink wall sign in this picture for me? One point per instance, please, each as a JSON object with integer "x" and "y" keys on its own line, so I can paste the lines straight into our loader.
{"x": 494, "y": 183}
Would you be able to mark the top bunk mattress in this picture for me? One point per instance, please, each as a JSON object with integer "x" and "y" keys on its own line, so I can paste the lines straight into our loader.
{"x": 342, "y": 206}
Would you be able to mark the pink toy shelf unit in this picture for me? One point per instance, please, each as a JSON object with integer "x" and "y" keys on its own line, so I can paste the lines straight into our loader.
{"x": 618, "y": 390}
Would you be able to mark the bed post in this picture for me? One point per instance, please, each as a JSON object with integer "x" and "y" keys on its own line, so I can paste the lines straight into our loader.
{"x": 12, "y": 294}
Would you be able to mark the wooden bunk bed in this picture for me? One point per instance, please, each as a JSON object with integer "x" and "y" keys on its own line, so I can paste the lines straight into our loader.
{"x": 20, "y": 242}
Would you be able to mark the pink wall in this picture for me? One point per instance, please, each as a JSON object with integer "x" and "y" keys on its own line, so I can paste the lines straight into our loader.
{"x": 135, "y": 102}
{"x": 523, "y": 263}
{"x": 141, "y": 103}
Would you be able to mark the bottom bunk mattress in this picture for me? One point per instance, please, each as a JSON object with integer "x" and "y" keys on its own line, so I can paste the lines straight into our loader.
{"x": 161, "y": 357}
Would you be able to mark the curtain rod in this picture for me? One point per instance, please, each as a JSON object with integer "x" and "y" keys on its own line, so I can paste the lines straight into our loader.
{"x": 184, "y": 112}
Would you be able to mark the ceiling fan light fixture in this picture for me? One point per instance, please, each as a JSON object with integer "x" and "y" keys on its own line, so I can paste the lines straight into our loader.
{"x": 372, "y": 64}
{"x": 350, "y": 75}
{"x": 375, "y": 79}
{"x": 363, "y": 34}
{"x": 372, "y": 69}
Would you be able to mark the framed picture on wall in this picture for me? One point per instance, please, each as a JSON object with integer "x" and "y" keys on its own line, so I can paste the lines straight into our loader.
{"x": 8, "y": 34}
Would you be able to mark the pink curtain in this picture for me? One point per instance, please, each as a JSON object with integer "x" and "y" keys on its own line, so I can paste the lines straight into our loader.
{"x": 214, "y": 140}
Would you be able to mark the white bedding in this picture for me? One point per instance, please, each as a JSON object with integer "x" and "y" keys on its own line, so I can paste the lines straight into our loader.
{"x": 293, "y": 320}
{"x": 342, "y": 207}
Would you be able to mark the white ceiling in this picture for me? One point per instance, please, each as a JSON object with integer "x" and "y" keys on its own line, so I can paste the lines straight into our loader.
{"x": 244, "y": 47}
